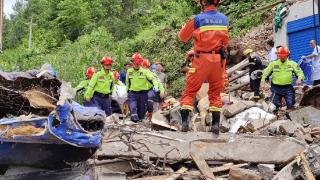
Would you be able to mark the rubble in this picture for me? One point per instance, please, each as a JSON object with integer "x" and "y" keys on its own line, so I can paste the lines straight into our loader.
{"x": 266, "y": 171}
{"x": 243, "y": 174}
{"x": 307, "y": 115}
{"x": 236, "y": 108}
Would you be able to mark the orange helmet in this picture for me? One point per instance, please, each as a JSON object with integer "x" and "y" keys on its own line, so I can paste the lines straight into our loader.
{"x": 137, "y": 59}
{"x": 116, "y": 75}
{"x": 106, "y": 60}
{"x": 190, "y": 54}
{"x": 283, "y": 52}
{"x": 146, "y": 64}
{"x": 90, "y": 72}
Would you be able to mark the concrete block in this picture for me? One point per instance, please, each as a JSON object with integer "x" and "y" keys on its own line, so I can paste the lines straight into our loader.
{"x": 266, "y": 171}
{"x": 307, "y": 115}
{"x": 236, "y": 108}
{"x": 288, "y": 128}
{"x": 243, "y": 174}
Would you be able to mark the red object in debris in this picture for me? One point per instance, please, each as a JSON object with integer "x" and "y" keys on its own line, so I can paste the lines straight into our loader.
{"x": 165, "y": 106}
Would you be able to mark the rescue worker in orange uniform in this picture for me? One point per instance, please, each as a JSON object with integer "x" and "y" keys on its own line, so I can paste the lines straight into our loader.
{"x": 209, "y": 31}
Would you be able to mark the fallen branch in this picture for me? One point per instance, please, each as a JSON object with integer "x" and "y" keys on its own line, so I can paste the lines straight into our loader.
{"x": 306, "y": 167}
{"x": 269, "y": 6}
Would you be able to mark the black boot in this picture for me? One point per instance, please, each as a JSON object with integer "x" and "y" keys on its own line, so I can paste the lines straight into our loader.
{"x": 185, "y": 116}
{"x": 215, "y": 122}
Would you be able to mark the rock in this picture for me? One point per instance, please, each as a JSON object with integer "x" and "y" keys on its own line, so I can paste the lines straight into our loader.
{"x": 236, "y": 108}
{"x": 268, "y": 107}
{"x": 266, "y": 171}
{"x": 313, "y": 156}
{"x": 308, "y": 138}
{"x": 247, "y": 96}
{"x": 283, "y": 127}
{"x": 291, "y": 171}
{"x": 273, "y": 128}
{"x": 243, "y": 174}
{"x": 288, "y": 128}
{"x": 307, "y": 115}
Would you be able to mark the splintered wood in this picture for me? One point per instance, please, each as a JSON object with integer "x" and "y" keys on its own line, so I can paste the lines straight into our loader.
{"x": 21, "y": 131}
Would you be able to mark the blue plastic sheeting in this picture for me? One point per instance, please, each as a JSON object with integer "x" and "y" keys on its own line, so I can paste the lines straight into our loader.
{"x": 307, "y": 70}
{"x": 70, "y": 131}
{"x": 87, "y": 111}
{"x": 59, "y": 128}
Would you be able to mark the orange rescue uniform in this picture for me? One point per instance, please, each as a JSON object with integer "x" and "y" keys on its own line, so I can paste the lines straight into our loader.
{"x": 210, "y": 32}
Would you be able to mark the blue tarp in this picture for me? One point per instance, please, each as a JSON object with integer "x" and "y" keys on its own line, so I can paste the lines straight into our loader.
{"x": 66, "y": 131}
{"x": 306, "y": 67}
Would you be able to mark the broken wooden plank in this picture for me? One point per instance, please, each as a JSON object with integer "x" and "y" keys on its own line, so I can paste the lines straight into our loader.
{"x": 203, "y": 166}
{"x": 269, "y": 6}
{"x": 243, "y": 174}
{"x": 237, "y": 67}
{"x": 227, "y": 167}
{"x": 177, "y": 174}
{"x": 156, "y": 122}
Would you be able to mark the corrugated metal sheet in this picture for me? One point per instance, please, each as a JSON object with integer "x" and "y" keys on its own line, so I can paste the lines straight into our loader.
{"x": 300, "y": 32}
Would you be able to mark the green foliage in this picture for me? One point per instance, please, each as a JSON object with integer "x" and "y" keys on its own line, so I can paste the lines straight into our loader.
{"x": 75, "y": 34}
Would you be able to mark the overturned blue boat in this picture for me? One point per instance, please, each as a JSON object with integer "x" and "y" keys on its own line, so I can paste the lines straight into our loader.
{"x": 43, "y": 127}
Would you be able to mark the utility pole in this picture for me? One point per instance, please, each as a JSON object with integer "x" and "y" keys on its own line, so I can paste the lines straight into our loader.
{"x": 30, "y": 33}
{"x": 1, "y": 26}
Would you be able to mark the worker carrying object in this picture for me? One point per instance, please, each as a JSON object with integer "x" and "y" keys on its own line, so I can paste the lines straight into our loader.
{"x": 255, "y": 72}
{"x": 82, "y": 87}
{"x": 152, "y": 93}
{"x": 137, "y": 80}
{"x": 209, "y": 30}
{"x": 101, "y": 86}
{"x": 282, "y": 72}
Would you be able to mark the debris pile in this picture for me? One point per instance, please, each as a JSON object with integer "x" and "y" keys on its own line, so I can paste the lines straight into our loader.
{"x": 255, "y": 143}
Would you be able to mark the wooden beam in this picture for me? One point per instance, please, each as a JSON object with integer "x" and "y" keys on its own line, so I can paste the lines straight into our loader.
{"x": 227, "y": 167}
{"x": 237, "y": 67}
{"x": 203, "y": 166}
{"x": 238, "y": 75}
{"x": 237, "y": 87}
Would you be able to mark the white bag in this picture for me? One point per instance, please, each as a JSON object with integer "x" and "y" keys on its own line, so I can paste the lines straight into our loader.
{"x": 120, "y": 94}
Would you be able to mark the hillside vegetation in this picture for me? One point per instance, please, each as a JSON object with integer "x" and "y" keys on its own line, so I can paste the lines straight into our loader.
{"x": 74, "y": 34}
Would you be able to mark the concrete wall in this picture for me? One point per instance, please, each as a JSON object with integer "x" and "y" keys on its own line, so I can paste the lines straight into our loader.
{"x": 297, "y": 11}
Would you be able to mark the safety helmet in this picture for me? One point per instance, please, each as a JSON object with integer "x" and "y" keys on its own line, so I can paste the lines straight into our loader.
{"x": 247, "y": 51}
{"x": 190, "y": 54}
{"x": 116, "y": 75}
{"x": 106, "y": 60}
{"x": 209, "y": 2}
{"x": 90, "y": 72}
{"x": 283, "y": 52}
{"x": 146, "y": 63}
{"x": 137, "y": 59}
